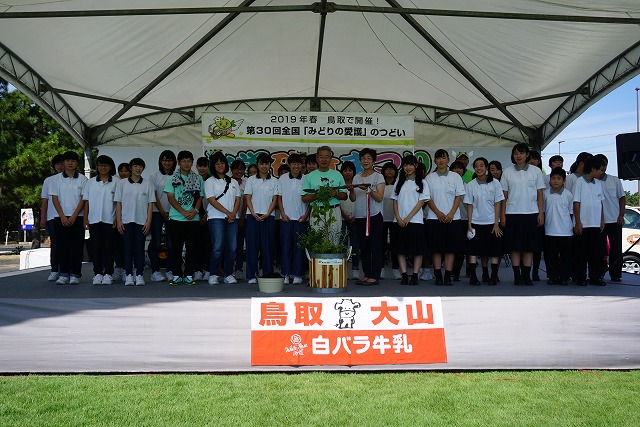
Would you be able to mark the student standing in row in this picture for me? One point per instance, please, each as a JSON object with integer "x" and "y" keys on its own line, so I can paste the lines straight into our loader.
{"x": 558, "y": 228}
{"x": 166, "y": 168}
{"x": 411, "y": 192}
{"x": 444, "y": 227}
{"x": 522, "y": 212}
{"x": 348, "y": 213}
{"x": 134, "y": 199}
{"x": 66, "y": 193}
{"x": 261, "y": 197}
{"x": 100, "y": 218}
{"x": 483, "y": 202}
{"x": 124, "y": 172}
{"x": 367, "y": 193}
{"x": 203, "y": 254}
{"x": 237, "y": 172}
{"x": 184, "y": 191}
{"x": 295, "y": 216}
{"x": 48, "y": 213}
{"x": 390, "y": 173}
{"x": 224, "y": 199}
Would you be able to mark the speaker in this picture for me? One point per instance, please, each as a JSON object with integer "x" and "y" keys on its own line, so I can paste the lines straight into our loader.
{"x": 628, "y": 149}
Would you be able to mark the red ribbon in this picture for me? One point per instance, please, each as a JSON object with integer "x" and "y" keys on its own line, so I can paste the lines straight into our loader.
{"x": 368, "y": 228}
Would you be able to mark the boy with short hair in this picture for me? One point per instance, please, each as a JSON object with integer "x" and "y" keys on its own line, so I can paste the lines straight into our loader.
{"x": 48, "y": 213}
{"x": 135, "y": 197}
{"x": 588, "y": 216}
{"x": 558, "y": 207}
{"x": 554, "y": 162}
{"x": 185, "y": 190}
{"x": 66, "y": 194}
{"x": 294, "y": 215}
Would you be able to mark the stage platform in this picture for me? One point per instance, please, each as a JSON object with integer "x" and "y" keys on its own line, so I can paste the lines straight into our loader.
{"x": 46, "y": 328}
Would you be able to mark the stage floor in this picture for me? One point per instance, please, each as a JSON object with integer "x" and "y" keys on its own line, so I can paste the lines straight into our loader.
{"x": 157, "y": 328}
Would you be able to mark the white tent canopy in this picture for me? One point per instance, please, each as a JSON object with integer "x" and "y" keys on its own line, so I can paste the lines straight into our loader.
{"x": 143, "y": 72}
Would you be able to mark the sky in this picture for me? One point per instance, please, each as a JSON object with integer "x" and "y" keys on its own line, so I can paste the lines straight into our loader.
{"x": 596, "y": 129}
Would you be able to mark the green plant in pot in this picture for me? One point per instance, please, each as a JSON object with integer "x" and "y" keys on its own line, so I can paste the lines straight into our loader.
{"x": 323, "y": 237}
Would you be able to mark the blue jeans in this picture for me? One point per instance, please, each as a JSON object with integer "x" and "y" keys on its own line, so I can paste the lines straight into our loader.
{"x": 293, "y": 258}
{"x": 223, "y": 237}
{"x": 260, "y": 239}
{"x": 133, "y": 248}
{"x": 157, "y": 221}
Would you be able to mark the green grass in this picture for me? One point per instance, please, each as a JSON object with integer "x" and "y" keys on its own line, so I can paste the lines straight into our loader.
{"x": 536, "y": 398}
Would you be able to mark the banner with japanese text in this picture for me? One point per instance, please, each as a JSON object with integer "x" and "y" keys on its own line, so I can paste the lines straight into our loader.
{"x": 347, "y": 331}
{"x": 304, "y": 129}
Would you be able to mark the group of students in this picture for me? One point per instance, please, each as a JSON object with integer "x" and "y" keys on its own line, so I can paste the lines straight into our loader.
{"x": 427, "y": 219}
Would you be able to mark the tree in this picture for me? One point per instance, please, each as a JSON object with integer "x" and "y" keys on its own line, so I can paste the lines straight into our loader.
{"x": 29, "y": 138}
{"x": 632, "y": 199}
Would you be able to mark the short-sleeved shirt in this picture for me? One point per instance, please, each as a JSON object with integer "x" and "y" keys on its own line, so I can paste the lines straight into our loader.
{"x": 443, "y": 189}
{"x": 46, "y": 194}
{"x": 522, "y": 185}
{"x": 387, "y": 203}
{"x": 570, "y": 183}
{"x": 590, "y": 196}
{"x": 215, "y": 187}
{"x": 409, "y": 198}
{"x": 613, "y": 191}
{"x": 290, "y": 189}
{"x": 361, "y": 195}
{"x": 69, "y": 190}
{"x": 262, "y": 192}
{"x": 483, "y": 197}
{"x": 558, "y": 211}
{"x": 100, "y": 195}
{"x": 186, "y": 199}
{"x": 158, "y": 181}
{"x": 467, "y": 176}
{"x": 135, "y": 198}
{"x": 316, "y": 179}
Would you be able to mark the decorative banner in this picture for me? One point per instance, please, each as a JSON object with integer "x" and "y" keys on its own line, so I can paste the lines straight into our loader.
{"x": 283, "y": 129}
{"x": 347, "y": 331}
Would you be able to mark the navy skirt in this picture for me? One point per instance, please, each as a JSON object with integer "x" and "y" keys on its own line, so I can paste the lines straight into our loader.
{"x": 522, "y": 233}
{"x": 447, "y": 237}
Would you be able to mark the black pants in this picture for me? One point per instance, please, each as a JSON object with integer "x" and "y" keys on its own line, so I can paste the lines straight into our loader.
{"x": 614, "y": 232}
{"x": 588, "y": 253}
{"x": 102, "y": 245}
{"x": 183, "y": 233}
{"x": 387, "y": 244}
{"x": 558, "y": 257}
{"x": 370, "y": 246}
{"x": 71, "y": 245}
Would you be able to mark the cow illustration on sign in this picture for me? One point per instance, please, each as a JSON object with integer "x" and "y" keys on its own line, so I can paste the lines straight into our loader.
{"x": 222, "y": 127}
{"x": 347, "y": 313}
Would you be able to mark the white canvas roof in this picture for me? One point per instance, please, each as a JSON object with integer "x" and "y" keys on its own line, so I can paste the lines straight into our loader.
{"x": 505, "y": 71}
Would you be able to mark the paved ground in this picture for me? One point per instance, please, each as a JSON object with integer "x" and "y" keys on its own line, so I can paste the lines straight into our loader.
{"x": 9, "y": 263}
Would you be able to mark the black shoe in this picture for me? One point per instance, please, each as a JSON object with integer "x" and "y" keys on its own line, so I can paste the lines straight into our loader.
{"x": 616, "y": 280}
{"x": 485, "y": 277}
{"x": 518, "y": 282}
{"x": 413, "y": 281}
{"x": 550, "y": 282}
{"x": 535, "y": 278}
{"x": 598, "y": 282}
{"x": 474, "y": 280}
{"x": 564, "y": 283}
{"x": 448, "y": 282}
{"x": 528, "y": 282}
{"x": 580, "y": 283}
{"x": 439, "y": 281}
{"x": 456, "y": 278}
{"x": 405, "y": 279}
{"x": 493, "y": 283}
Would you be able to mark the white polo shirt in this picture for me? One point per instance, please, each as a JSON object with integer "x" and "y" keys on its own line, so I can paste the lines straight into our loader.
{"x": 589, "y": 195}
{"x": 46, "y": 194}
{"x": 69, "y": 191}
{"x": 290, "y": 189}
{"x": 522, "y": 185}
{"x": 443, "y": 190}
{"x": 158, "y": 181}
{"x": 100, "y": 194}
{"x": 409, "y": 198}
{"x": 570, "y": 183}
{"x": 558, "y": 211}
{"x": 361, "y": 195}
{"x": 262, "y": 192}
{"x": 613, "y": 191}
{"x": 483, "y": 197}
{"x": 135, "y": 198}
{"x": 214, "y": 187}
{"x": 387, "y": 203}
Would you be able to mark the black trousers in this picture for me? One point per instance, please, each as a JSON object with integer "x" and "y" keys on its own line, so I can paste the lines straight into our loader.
{"x": 102, "y": 244}
{"x": 370, "y": 246}
{"x": 558, "y": 256}
{"x": 71, "y": 245}
{"x": 183, "y": 233}
{"x": 588, "y": 253}
{"x": 614, "y": 232}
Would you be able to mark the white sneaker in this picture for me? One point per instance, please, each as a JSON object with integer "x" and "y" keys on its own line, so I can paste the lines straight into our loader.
{"x": 170, "y": 276}
{"x": 118, "y": 274}
{"x": 97, "y": 279}
{"x": 107, "y": 279}
{"x": 382, "y": 274}
{"x": 355, "y": 274}
{"x": 198, "y": 276}
{"x": 140, "y": 280}
{"x": 213, "y": 280}
{"x": 53, "y": 276}
{"x": 297, "y": 280}
{"x": 206, "y": 276}
{"x": 426, "y": 274}
{"x": 62, "y": 280}
{"x": 73, "y": 280}
{"x": 157, "y": 276}
{"x": 128, "y": 280}
{"x": 253, "y": 281}
{"x": 230, "y": 279}
{"x": 396, "y": 274}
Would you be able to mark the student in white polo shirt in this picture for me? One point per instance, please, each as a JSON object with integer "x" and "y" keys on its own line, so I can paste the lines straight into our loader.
{"x": 100, "y": 217}
{"x": 67, "y": 200}
{"x": 558, "y": 229}
{"x": 48, "y": 213}
{"x": 588, "y": 218}
{"x": 135, "y": 197}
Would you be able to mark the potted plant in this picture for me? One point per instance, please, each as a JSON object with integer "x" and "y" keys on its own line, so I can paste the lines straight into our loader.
{"x": 325, "y": 247}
